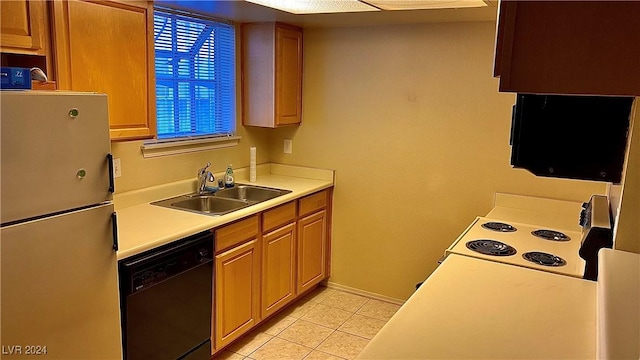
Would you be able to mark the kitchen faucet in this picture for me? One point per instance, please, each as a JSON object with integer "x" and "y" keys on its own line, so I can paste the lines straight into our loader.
{"x": 205, "y": 175}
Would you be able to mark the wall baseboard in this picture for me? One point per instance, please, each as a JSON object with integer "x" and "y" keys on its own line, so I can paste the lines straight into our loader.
{"x": 372, "y": 295}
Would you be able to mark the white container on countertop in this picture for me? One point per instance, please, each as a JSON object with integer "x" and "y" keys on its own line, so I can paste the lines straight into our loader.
{"x": 252, "y": 164}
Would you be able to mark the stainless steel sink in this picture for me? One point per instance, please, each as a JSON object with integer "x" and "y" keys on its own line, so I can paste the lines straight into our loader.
{"x": 250, "y": 193}
{"x": 223, "y": 201}
{"x": 209, "y": 205}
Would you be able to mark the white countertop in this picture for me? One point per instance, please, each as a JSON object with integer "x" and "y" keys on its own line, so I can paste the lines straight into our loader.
{"x": 142, "y": 227}
{"x": 476, "y": 309}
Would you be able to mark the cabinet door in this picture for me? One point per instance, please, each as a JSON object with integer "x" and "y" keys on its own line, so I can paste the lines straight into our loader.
{"x": 237, "y": 292}
{"x": 22, "y": 24}
{"x": 271, "y": 74}
{"x": 312, "y": 237}
{"x": 288, "y": 76}
{"x": 278, "y": 269}
{"x": 107, "y": 47}
{"x": 569, "y": 47}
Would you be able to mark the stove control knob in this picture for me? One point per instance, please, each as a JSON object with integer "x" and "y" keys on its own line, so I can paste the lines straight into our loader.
{"x": 583, "y": 217}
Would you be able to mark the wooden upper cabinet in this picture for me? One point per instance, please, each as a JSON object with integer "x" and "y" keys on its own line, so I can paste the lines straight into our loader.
{"x": 24, "y": 26}
{"x": 107, "y": 47}
{"x": 569, "y": 47}
{"x": 271, "y": 74}
{"x": 25, "y": 39}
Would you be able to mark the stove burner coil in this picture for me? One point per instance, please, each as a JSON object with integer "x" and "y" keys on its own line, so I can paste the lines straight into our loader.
{"x": 498, "y": 226}
{"x": 544, "y": 259}
{"x": 550, "y": 235}
{"x": 491, "y": 247}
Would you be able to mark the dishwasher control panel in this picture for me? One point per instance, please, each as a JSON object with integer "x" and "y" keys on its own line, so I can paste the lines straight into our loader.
{"x": 153, "y": 267}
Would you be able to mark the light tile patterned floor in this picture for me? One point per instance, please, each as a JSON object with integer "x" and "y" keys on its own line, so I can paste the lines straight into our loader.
{"x": 326, "y": 324}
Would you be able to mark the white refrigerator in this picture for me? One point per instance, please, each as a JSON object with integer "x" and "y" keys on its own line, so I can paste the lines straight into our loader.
{"x": 58, "y": 237}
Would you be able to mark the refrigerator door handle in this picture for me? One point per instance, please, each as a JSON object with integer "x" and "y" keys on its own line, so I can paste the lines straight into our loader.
{"x": 112, "y": 183}
{"x": 114, "y": 225}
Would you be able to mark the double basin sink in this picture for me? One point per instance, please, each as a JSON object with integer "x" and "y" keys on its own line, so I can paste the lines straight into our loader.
{"x": 222, "y": 201}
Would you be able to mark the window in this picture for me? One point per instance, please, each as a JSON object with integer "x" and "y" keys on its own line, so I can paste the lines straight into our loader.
{"x": 195, "y": 76}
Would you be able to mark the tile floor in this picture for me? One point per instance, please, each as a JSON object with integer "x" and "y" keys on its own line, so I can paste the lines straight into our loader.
{"x": 326, "y": 324}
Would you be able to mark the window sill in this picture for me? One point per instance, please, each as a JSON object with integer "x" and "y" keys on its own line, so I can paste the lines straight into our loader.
{"x": 156, "y": 148}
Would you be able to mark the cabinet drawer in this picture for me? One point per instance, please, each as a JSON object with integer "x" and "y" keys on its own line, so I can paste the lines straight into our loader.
{"x": 234, "y": 234}
{"x": 313, "y": 203}
{"x": 279, "y": 216}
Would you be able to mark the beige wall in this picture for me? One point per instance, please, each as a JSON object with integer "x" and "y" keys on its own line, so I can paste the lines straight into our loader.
{"x": 410, "y": 118}
{"x": 138, "y": 172}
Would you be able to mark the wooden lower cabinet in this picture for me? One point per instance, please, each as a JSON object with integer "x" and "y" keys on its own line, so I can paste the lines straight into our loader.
{"x": 265, "y": 261}
{"x": 278, "y": 269}
{"x": 237, "y": 292}
{"x": 312, "y": 245}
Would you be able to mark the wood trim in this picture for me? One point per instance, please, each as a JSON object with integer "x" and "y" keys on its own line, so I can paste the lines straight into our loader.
{"x": 43, "y": 85}
{"x": 60, "y": 44}
{"x": 236, "y": 233}
{"x": 329, "y": 220}
{"x": 139, "y": 133}
{"x": 151, "y": 74}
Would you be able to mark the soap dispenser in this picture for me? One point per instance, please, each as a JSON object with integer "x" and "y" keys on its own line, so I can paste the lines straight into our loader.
{"x": 228, "y": 177}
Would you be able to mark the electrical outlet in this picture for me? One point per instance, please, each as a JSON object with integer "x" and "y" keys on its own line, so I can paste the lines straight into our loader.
{"x": 117, "y": 168}
{"x": 288, "y": 146}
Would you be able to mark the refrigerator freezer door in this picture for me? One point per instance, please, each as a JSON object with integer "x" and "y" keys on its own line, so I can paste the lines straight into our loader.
{"x": 60, "y": 287}
{"x": 54, "y": 152}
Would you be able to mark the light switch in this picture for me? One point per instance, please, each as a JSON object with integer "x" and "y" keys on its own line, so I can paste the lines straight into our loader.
{"x": 288, "y": 146}
{"x": 117, "y": 168}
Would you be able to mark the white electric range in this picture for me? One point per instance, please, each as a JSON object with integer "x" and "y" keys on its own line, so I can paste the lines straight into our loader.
{"x": 531, "y": 246}
{"x": 505, "y": 307}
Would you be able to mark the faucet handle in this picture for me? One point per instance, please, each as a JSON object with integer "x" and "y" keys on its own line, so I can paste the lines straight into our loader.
{"x": 204, "y": 169}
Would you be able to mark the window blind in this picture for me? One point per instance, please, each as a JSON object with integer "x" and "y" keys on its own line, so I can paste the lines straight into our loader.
{"x": 195, "y": 76}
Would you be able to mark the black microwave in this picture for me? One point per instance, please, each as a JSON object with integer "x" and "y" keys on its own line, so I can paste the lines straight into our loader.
{"x": 575, "y": 137}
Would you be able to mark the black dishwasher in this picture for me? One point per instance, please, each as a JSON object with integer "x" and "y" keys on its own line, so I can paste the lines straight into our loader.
{"x": 166, "y": 301}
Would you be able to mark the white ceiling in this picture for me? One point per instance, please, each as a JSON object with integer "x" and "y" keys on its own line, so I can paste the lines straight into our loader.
{"x": 243, "y": 11}
{"x": 338, "y": 6}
